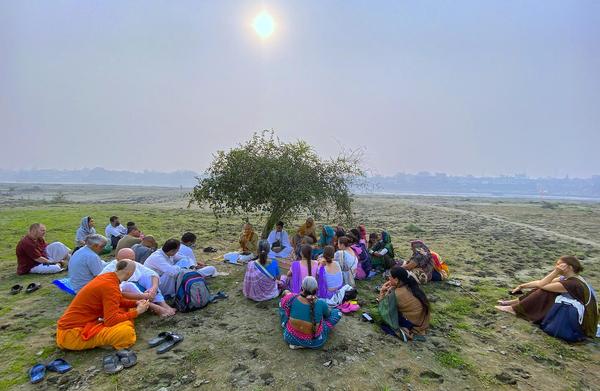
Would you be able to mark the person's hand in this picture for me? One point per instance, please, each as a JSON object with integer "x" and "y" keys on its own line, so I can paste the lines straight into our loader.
{"x": 200, "y": 264}
{"x": 561, "y": 268}
{"x": 142, "y": 306}
{"x": 517, "y": 289}
{"x": 150, "y": 294}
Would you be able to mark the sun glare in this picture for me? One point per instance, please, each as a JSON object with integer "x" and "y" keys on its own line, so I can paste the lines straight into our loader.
{"x": 264, "y": 25}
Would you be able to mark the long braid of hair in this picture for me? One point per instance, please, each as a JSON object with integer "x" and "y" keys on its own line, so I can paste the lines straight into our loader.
{"x": 311, "y": 302}
{"x": 306, "y": 251}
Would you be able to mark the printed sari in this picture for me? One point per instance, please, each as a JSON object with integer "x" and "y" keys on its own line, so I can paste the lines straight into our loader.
{"x": 259, "y": 284}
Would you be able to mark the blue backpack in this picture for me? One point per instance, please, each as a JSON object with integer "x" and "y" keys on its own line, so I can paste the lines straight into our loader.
{"x": 562, "y": 321}
{"x": 192, "y": 292}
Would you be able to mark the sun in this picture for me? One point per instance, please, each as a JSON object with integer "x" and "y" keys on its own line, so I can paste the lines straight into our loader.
{"x": 264, "y": 24}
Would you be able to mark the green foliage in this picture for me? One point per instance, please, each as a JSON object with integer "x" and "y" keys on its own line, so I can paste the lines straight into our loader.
{"x": 451, "y": 360}
{"x": 279, "y": 179}
{"x": 413, "y": 228}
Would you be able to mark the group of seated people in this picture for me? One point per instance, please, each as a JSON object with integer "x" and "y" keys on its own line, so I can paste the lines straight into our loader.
{"x": 324, "y": 274}
{"x": 141, "y": 276}
{"x": 320, "y": 281}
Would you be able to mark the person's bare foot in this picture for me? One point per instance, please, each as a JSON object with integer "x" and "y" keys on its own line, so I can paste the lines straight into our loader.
{"x": 505, "y": 303}
{"x": 505, "y": 308}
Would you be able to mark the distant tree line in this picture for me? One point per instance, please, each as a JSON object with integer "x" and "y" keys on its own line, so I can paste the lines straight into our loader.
{"x": 420, "y": 183}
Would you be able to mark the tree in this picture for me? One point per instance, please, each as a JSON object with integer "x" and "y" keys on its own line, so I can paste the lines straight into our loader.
{"x": 278, "y": 179}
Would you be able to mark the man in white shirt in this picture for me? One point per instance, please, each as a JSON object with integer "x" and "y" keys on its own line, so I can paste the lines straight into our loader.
{"x": 168, "y": 264}
{"x": 142, "y": 285}
{"x": 188, "y": 243}
{"x": 115, "y": 231}
{"x": 280, "y": 242}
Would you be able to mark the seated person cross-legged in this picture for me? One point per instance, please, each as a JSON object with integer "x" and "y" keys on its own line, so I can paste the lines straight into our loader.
{"x": 261, "y": 281}
{"x": 99, "y": 315}
{"x": 85, "y": 264}
{"x": 114, "y": 231}
{"x": 35, "y": 256}
{"x": 131, "y": 239}
{"x": 382, "y": 251}
{"x": 403, "y": 305}
{"x": 326, "y": 239}
{"x": 85, "y": 229}
{"x": 142, "y": 285}
{"x": 143, "y": 250}
{"x": 279, "y": 242}
{"x": 347, "y": 260}
{"x": 306, "y": 320}
{"x": 248, "y": 246}
{"x": 168, "y": 265}
{"x": 563, "y": 280}
{"x": 300, "y": 269}
{"x": 330, "y": 276}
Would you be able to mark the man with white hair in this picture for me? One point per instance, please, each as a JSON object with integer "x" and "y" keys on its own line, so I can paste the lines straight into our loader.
{"x": 142, "y": 285}
{"x": 85, "y": 264}
{"x": 35, "y": 256}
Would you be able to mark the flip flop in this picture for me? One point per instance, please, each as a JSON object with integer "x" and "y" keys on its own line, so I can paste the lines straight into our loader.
{"x": 34, "y": 286}
{"x": 59, "y": 365}
{"x": 16, "y": 289}
{"x": 217, "y": 296}
{"x": 127, "y": 357}
{"x": 37, "y": 373}
{"x": 111, "y": 364}
{"x": 171, "y": 341}
{"x": 162, "y": 337}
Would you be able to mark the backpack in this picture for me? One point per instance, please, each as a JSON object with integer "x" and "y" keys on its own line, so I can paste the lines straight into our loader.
{"x": 192, "y": 292}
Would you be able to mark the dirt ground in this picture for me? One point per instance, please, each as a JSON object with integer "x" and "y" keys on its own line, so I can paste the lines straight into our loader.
{"x": 490, "y": 245}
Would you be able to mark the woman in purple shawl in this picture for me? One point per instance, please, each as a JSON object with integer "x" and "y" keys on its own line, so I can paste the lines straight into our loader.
{"x": 330, "y": 277}
{"x": 302, "y": 268}
{"x": 262, "y": 275}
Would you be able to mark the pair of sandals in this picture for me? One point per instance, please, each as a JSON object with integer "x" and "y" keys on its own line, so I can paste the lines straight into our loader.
{"x": 116, "y": 362}
{"x": 165, "y": 341}
{"x": 38, "y": 371}
{"x": 34, "y": 286}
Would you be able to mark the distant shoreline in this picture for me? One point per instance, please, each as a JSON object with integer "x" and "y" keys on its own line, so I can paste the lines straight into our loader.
{"x": 532, "y": 197}
{"x": 486, "y": 195}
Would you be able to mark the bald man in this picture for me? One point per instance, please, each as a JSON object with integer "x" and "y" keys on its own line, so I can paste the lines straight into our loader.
{"x": 99, "y": 315}
{"x": 142, "y": 284}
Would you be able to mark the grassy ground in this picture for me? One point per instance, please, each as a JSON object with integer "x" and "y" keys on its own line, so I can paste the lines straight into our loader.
{"x": 237, "y": 344}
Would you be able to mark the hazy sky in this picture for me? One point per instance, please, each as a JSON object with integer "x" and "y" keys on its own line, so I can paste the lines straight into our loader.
{"x": 463, "y": 87}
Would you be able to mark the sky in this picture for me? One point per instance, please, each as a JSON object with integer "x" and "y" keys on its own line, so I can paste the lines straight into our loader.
{"x": 461, "y": 87}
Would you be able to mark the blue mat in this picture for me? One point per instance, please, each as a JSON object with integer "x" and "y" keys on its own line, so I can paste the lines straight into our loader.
{"x": 64, "y": 284}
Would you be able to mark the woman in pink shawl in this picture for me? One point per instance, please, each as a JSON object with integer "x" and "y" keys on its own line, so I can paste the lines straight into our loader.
{"x": 261, "y": 281}
{"x": 302, "y": 268}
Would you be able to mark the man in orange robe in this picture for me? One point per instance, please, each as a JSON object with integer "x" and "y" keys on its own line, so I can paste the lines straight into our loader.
{"x": 99, "y": 315}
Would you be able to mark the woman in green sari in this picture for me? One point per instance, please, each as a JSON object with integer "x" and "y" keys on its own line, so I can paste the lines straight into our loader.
{"x": 382, "y": 253}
